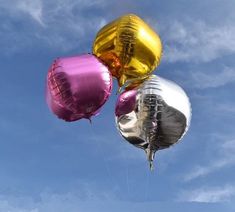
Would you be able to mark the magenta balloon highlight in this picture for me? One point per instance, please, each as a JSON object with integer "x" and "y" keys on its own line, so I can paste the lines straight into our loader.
{"x": 77, "y": 87}
{"x": 125, "y": 102}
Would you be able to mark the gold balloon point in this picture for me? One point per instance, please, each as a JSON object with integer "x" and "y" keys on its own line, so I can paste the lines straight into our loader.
{"x": 122, "y": 80}
{"x": 119, "y": 90}
{"x": 121, "y": 84}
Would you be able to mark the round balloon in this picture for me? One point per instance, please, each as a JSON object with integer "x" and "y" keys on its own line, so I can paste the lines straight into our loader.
{"x": 77, "y": 87}
{"x": 154, "y": 116}
{"x": 129, "y": 47}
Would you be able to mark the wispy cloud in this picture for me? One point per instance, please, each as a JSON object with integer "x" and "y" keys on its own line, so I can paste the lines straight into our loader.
{"x": 227, "y": 108}
{"x": 66, "y": 23}
{"x": 197, "y": 41}
{"x": 63, "y": 25}
{"x": 208, "y": 195}
{"x": 202, "y": 80}
{"x": 201, "y": 171}
{"x": 17, "y": 8}
{"x": 225, "y": 156}
{"x": 73, "y": 201}
{"x": 33, "y": 8}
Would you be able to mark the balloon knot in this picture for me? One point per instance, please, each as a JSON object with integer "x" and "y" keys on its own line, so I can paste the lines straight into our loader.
{"x": 151, "y": 166}
{"x": 89, "y": 118}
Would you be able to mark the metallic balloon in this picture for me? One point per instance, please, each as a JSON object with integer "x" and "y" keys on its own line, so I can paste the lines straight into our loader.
{"x": 77, "y": 87}
{"x": 154, "y": 116}
{"x": 129, "y": 47}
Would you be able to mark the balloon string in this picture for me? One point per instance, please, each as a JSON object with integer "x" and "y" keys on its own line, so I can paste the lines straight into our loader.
{"x": 151, "y": 165}
{"x": 127, "y": 181}
{"x": 105, "y": 162}
{"x": 147, "y": 185}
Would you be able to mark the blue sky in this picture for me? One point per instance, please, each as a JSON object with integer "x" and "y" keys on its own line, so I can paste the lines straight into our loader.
{"x": 48, "y": 165}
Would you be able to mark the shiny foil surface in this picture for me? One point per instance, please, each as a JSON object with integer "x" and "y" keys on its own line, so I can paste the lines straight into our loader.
{"x": 77, "y": 87}
{"x": 129, "y": 47}
{"x": 154, "y": 116}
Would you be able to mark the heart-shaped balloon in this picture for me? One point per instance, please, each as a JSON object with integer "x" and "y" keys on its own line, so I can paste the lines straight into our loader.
{"x": 129, "y": 47}
{"x": 154, "y": 116}
{"x": 77, "y": 87}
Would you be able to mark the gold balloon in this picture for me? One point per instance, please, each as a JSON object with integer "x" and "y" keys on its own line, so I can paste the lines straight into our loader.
{"x": 129, "y": 47}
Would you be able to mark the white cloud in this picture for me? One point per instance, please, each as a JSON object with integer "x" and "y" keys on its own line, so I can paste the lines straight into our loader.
{"x": 202, "y": 80}
{"x": 225, "y": 108}
{"x": 223, "y": 157}
{"x": 6, "y": 206}
{"x": 201, "y": 171}
{"x": 196, "y": 41}
{"x": 18, "y": 7}
{"x": 73, "y": 201}
{"x": 33, "y": 8}
{"x": 208, "y": 195}
{"x": 63, "y": 25}
{"x": 58, "y": 203}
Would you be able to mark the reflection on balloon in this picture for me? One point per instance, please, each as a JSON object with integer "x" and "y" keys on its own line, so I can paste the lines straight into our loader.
{"x": 154, "y": 116}
{"x": 152, "y": 113}
{"x": 77, "y": 87}
{"x": 129, "y": 47}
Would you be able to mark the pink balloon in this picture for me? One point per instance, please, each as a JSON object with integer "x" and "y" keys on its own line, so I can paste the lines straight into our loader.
{"x": 125, "y": 102}
{"x": 77, "y": 87}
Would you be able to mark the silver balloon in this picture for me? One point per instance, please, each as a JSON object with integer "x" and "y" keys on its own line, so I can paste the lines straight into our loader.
{"x": 154, "y": 116}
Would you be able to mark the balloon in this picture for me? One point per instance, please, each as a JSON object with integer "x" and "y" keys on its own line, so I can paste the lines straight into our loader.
{"x": 77, "y": 87}
{"x": 129, "y": 47}
{"x": 154, "y": 116}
